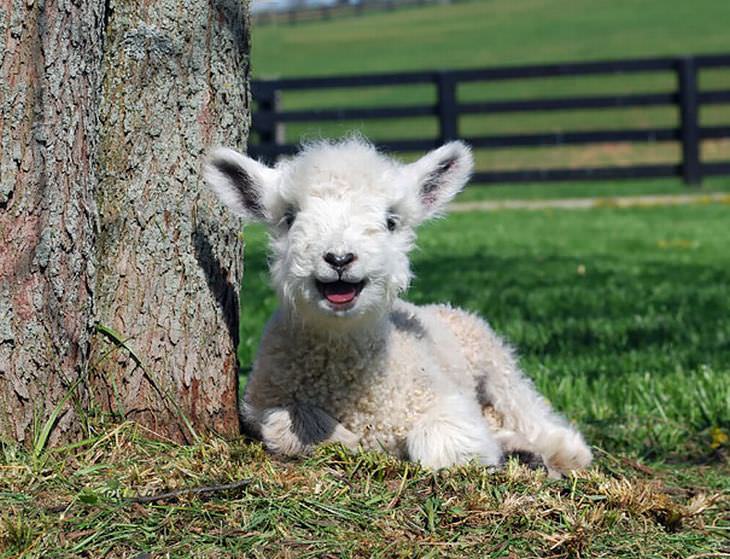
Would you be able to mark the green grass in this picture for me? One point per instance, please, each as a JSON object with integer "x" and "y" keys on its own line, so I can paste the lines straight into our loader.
{"x": 491, "y": 32}
{"x": 85, "y": 503}
{"x": 620, "y": 315}
{"x": 580, "y": 189}
{"x": 500, "y": 32}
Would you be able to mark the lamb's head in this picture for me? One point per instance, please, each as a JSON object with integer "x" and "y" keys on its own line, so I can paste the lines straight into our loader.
{"x": 341, "y": 218}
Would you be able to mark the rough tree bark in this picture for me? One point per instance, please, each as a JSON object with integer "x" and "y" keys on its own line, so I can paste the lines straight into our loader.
{"x": 107, "y": 110}
{"x": 49, "y": 79}
{"x": 175, "y": 82}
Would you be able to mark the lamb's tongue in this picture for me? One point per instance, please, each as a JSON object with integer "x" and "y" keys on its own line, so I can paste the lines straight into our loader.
{"x": 339, "y": 292}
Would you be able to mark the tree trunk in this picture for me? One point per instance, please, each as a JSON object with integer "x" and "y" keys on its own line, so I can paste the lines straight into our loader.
{"x": 49, "y": 82}
{"x": 169, "y": 257}
{"x": 118, "y": 271}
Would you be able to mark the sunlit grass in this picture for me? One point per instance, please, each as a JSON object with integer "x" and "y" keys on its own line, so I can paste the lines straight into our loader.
{"x": 491, "y": 32}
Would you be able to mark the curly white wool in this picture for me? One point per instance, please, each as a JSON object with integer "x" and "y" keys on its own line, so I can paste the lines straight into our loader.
{"x": 433, "y": 384}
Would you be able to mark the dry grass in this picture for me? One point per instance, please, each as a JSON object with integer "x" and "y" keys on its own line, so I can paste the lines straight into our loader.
{"x": 81, "y": 502}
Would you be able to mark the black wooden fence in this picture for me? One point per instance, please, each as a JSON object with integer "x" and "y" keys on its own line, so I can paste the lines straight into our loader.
{"x": 687, "y": 97}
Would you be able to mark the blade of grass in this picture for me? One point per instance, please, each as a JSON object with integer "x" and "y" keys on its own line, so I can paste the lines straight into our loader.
{"x": 118, "y": 339}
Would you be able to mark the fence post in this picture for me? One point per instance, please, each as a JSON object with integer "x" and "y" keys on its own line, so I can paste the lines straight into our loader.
{"x": 447, "y": 108}
{"x": 689, "y": 121}
{"x": 271, "y": 133}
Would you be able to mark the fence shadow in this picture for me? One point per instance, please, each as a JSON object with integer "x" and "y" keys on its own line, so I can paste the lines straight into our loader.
{"x": 675, "y": 314}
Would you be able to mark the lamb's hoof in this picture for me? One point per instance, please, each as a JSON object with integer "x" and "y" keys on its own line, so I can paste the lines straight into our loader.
{"x": 526, "y": 458}
{"x": 563, "y": 451}
{"x": 345, "y": 437}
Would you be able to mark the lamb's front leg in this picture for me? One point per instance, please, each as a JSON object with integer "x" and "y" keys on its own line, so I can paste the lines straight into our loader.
{"x": 452, "y": 432}
{"x": 298, "y": 428}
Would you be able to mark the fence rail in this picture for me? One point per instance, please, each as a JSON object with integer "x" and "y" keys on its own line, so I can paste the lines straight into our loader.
{"x": 447, "y": 110}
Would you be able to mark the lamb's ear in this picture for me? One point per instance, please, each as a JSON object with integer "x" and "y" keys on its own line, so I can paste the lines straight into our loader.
{"x": 440, "y": 175}
{"x": 240, "y": 182}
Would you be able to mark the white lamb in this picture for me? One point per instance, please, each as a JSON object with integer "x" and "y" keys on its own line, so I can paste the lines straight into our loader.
{"x": 344, "y": 359}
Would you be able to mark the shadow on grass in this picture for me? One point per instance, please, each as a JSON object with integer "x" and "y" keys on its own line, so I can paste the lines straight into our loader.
{"x": 557, "y": 306}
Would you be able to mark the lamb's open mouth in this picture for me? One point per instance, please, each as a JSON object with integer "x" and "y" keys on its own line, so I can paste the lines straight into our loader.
{"x": 340, "y": 293}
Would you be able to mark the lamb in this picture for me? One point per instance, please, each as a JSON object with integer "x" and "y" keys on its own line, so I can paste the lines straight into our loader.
{"x": 344, "y": 359}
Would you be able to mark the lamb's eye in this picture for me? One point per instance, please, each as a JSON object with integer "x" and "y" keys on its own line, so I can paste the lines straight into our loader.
{"x": 289, "y": 216}
{"x": 392, "y": 222}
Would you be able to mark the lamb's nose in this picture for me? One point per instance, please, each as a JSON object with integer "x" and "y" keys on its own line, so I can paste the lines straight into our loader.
{"x": 339, "y": 261}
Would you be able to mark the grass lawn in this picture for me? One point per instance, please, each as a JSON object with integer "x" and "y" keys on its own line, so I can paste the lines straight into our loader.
{"x": 491, "y": 32}
{"x": 501, "y": 32}
{"x": 335, "y": 504}
{"x": 620, "y": 316}
{"x": 580, "y": 189}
